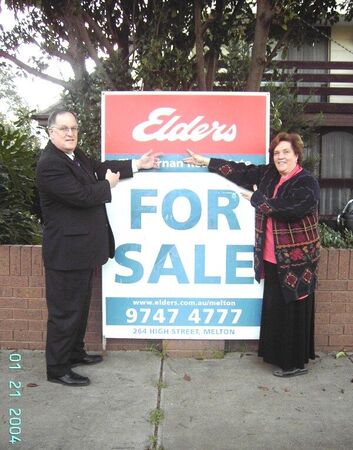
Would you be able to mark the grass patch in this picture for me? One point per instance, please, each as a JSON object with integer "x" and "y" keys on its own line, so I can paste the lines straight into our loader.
{"x": 156, "y": 416}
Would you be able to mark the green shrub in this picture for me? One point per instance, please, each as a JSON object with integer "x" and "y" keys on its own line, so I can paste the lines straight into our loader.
{"x": 18, "y": 153}
{"x": 348, "y": 234}
{"x": 331, "y": 238}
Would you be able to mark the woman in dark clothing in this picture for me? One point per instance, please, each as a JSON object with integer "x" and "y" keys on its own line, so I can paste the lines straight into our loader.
{"x": 285, "y": 197}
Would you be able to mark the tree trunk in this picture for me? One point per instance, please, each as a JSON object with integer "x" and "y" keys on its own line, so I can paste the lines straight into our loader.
{"x": 213, "y": 54}
{"x": 212, "y": 62}
{"x": 200, "y": 59}
{"x": 264, "y": 15}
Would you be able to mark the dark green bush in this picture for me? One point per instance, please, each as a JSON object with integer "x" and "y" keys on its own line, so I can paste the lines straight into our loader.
{"x": 18, "y": 154}
{"x": 331, "y": 238}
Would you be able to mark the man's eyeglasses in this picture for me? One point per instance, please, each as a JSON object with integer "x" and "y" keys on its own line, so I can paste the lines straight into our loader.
{"x": 65, "y": 130}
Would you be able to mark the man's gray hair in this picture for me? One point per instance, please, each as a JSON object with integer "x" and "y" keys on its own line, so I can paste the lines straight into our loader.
{"x": 52, "y": 117}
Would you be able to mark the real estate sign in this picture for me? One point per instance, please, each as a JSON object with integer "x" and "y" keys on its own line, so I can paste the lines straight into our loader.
{"x": 183, "y": 266}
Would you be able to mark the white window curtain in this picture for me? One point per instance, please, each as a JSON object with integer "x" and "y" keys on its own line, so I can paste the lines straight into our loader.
{"x": 313, "y": 51}
{"x": 336, "y": 162}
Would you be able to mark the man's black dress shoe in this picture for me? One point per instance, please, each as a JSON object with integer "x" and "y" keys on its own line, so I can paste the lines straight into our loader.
{"x": 70, "y": 379}
{"x": 86, "y": 360}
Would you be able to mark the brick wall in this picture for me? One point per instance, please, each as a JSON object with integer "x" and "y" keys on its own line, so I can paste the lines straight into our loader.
{"x": 23, "y": 310}
{"x": 334, "y": 301}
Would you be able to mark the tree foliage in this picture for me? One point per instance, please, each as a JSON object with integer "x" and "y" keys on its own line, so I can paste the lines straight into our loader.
{"x": 9, "y": 98}
{"x": 158, "y": 44}
{"x": 18, "y": 152}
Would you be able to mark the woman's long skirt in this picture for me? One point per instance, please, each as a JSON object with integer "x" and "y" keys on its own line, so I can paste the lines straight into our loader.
{"x": 287, "y": 329}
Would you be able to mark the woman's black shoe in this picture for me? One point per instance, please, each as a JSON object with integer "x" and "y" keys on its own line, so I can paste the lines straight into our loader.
{"x": 290, "y": 373}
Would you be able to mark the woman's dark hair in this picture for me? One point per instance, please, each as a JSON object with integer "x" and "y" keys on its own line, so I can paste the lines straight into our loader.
{"x": 294, "y": 139}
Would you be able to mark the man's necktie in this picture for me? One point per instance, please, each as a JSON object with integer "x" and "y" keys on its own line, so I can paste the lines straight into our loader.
{"x": 76, "y": 161}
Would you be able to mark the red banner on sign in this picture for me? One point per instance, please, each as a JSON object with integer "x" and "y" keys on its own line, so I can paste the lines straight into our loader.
{"x": 217, "y": 123}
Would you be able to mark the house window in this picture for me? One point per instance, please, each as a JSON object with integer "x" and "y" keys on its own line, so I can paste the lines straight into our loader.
{"x": 316, "y": 50}
{"x": 336, "y": 171}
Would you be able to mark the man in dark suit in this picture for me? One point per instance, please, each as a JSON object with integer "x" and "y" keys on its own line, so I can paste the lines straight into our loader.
{"x": 77, "y": 237}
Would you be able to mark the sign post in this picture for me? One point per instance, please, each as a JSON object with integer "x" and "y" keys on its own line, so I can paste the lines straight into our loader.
{"x": 183, "y": 266}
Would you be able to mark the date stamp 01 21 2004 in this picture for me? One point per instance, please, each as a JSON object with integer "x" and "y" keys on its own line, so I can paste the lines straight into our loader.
{"x": 14, "y": 393}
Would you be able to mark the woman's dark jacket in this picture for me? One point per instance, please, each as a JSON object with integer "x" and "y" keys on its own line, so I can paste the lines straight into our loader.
{"x": 294, "y": 214}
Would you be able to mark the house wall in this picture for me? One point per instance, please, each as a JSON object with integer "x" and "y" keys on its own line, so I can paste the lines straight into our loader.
{"x": 23, "y": 312}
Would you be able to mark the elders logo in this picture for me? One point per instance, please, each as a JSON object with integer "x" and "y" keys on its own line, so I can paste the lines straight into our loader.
{"x": 207, "y": 123}
{"x": 165, "y": 124}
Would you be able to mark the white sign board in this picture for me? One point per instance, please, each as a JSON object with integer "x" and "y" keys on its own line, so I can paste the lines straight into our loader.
{"x": 183, "y": 266}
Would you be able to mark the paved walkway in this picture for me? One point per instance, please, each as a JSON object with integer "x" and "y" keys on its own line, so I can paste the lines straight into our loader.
{"x": 223, "y": 404}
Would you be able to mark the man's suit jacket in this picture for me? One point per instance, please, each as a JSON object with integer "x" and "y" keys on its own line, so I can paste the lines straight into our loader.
{"x": 76, "y": 230}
